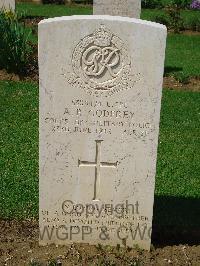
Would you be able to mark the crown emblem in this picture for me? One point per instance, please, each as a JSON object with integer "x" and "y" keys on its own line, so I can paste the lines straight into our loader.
{"x": 101, "y": 63}
{"x": 102, "y": 36}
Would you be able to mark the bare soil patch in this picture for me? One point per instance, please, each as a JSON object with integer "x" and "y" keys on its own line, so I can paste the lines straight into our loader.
{"x": 185, "y": 32}
{"x": 19, "y": 246}
{"x": 192, "y": 85}
{"x": 4, "y": 75}
{"x": 190, "y": 32}
{"x": 31, "y": 21}
{"x": 32, "y": 73}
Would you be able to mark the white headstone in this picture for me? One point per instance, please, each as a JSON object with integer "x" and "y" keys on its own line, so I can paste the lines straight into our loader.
{"x": 7, "y": 4}
{"x": 100, "y": 98}
{"x": 124, "y": 8}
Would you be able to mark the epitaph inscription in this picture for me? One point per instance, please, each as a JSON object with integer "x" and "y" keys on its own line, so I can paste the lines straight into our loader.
{"x": 100, "y": 97}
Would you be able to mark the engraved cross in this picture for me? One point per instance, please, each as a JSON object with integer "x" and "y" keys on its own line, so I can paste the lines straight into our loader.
{"x": 98, "y": 165}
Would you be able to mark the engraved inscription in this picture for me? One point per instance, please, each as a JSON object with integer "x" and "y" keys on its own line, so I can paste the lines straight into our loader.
{"x": 101, "y": 64}
{"x": 97, "y": 60}
{"x": 98, "y": 165}
{"x": 102, "y": 118}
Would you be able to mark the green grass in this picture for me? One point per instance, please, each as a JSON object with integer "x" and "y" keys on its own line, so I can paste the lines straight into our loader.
{"x": 179, "y": 148}
{"x": 183, "y": 55}
{"x": 178, "y": 157}
{"x": 150, "y": 14}
{"x": 49, "y": 11}
{"x": 19, "y": 149}
{"x": 177, "y": 196}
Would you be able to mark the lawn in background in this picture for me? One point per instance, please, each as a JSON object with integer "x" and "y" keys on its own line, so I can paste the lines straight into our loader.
{"x": 178, "y": 155}
{"x": 150, "y": 14}
{"x": 18, "y": 149}
{"x": 182, "y": 53}
{"x": 49, "y": 11}
{"x": 177, "y": 197}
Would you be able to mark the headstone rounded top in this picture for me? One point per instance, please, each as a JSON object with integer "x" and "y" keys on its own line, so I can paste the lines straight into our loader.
{"x": 102, "y": 18}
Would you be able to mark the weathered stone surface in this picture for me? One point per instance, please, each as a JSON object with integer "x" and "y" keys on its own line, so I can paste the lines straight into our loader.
{"x": 7, "y": 4}
{"x": 100, "y": 97}
{"x": 124, "y": 8}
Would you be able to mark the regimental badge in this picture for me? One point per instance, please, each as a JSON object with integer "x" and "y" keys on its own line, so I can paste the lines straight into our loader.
{"x": 101, "y": 64}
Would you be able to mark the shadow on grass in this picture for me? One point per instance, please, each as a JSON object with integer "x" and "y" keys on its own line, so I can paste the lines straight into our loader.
{"x": 176, "y": 221}
{"x": 169, "y": 69}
